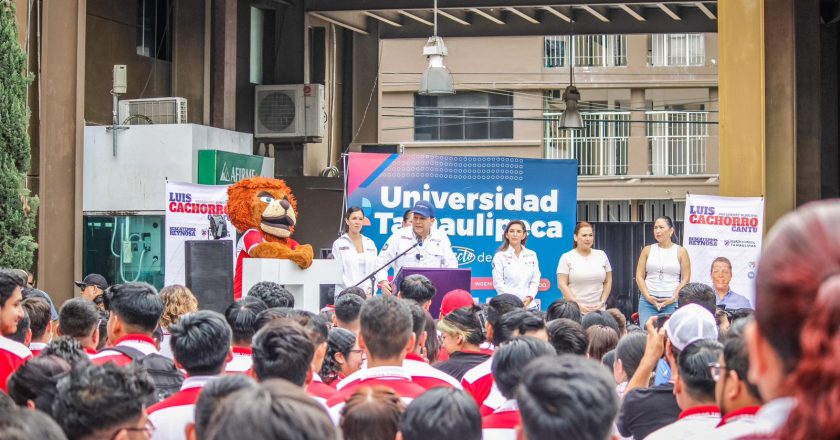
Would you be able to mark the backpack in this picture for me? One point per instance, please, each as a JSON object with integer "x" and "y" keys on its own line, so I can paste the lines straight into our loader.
{"x": 165, "y": 376}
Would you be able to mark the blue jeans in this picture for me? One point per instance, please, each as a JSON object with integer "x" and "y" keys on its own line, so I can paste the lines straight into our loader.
{"x": 646, "y": 310}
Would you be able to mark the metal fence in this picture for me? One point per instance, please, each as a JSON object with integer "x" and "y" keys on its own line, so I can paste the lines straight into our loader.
{"x": 677, "y": 50}
{"x": 600, "y": 148}
{"x": 677, "y": 142}
{"x": 588, "y": 50}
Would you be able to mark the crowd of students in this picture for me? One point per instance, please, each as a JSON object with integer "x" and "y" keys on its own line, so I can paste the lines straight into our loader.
{"x": 139, "y": 364}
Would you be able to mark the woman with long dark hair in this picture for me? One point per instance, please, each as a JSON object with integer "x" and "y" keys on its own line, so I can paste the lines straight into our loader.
{"x": 355, "y": 253}
{"x": 343, "y": 358}
{"x": 516, "y": 269}
{"x": 663, "y": 269}
{"x": 584, "y": 274}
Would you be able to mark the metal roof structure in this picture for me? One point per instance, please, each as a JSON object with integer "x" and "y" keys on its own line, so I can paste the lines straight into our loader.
{"x": 476, "y": 18}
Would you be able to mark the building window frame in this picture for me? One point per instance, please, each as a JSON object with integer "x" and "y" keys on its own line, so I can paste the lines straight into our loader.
{"x": 677, "y": 50}
{"x": 588, "y": 51}
{"x": 466, "y": 116}
{"x": 601, "y": 148}
{"x": 154, "y": 29}
{"x": 677, "y": 142}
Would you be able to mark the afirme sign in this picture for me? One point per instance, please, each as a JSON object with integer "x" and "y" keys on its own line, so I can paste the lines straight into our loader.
{"x": 223, "y": 168}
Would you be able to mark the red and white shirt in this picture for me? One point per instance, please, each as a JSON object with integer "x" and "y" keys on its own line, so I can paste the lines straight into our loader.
{"x": 36, "y": 348}
{"x": 144, "y": 343}
{"x": 494, "y": 401}
{"x": 170, "y": 416}
{"x": 13, "y": 354}
{"x": 318, "y": 390}
{"x": 693, "y": 421}
{"x": 426, "y": 375}
{"x": 479, "y": 381}
{"x": 241, "y": 362}
{"x": 395, "y": 378}
{"x": 250, "y": 239}
{"x": 734, "y": 425}
{"x": 502, "y": 423}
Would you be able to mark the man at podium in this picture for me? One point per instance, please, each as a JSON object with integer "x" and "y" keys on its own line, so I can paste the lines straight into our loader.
{"x": 431, "y": 248}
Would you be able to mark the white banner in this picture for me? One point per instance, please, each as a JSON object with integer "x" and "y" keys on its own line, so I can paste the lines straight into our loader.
{"x": 188, "y": 206}
{"x": 729, "y": 227}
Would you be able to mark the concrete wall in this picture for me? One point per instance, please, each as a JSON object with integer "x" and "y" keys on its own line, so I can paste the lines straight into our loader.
{"x": 147, "y": 155}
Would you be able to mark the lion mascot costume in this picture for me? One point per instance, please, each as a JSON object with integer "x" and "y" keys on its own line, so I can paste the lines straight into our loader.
{"x": 264, "y": 211}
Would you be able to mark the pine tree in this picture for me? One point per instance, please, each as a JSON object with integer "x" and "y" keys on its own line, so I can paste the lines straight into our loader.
{"x": 17, "y": 207}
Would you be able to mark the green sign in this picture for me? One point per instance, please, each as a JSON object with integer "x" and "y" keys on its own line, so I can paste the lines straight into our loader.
{"x": 223, "y": 168}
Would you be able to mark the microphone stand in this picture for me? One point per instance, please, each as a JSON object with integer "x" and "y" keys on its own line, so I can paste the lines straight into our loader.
{"x": 372, "y": 276}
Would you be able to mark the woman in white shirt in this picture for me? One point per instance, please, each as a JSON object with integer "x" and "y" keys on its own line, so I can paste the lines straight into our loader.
{"x": 355, "y": 253}
{"x": 515, "y": 268}
{"x": 584, "y": 275}
{"x": 663, "y": 269}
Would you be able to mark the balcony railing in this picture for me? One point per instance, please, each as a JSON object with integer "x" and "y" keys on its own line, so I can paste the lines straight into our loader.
{"x": 589, "y": 51}
{"x": 600, "y": 148}
{"x": 677, "y": 142}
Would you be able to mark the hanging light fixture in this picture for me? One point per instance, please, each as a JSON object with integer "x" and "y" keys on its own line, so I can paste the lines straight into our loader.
{"x": 571, "y": 119}
{"x": 436, "y": 80}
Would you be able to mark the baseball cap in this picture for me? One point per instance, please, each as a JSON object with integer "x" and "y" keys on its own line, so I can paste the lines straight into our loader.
{"x": 690, "y": 323}
{"x": 93, "y": 279}
{"x": 455, "y": 299}
{"x": 423, "y": 208}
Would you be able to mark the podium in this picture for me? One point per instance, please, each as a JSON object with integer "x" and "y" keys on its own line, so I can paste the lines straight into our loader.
{"x": 304, "y": 284}
{"x": 444, "y": 280}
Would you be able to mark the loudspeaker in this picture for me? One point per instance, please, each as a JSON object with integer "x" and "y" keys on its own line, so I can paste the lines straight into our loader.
{"x": 209, "y": 272}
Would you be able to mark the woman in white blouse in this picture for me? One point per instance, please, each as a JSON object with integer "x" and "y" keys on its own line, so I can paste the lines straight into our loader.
{"x": 584, "y": 275}
{"x": 515, "y": 267}
{"x": 355, "y": 253}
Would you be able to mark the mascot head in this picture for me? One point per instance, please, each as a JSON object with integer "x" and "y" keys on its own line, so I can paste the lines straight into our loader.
{"x": 264, "y": 204}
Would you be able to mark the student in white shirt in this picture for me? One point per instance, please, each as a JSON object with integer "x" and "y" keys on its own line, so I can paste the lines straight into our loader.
{"x": 584, "y": 274}
{"x": 355, "y": 253}
{"x": 516, "y": 269}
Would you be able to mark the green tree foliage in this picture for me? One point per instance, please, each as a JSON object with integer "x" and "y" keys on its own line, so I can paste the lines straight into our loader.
{"x": 17, "y": 207}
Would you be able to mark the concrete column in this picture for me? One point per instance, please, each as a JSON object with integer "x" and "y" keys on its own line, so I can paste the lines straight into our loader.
{"x": 224, "y": 64}
{"x": 188, "y": 56}
{"x": 61, "y": 129}
{"x": 713, "y": 139}
{"x": 637, "y": 149}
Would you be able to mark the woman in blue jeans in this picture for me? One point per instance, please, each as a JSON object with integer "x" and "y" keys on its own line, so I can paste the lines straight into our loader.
{"x": 663, "y": 269}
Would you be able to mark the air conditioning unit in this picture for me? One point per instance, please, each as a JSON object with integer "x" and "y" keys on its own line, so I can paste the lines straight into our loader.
{"x": 153, "y": 111}
{"x": 294, "y": 111}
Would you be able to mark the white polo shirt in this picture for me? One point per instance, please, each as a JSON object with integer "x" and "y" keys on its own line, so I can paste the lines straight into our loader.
{"x": 516, "y": 275}
{"x": 171, "y": 415}
{"x": 354, "y": 265}
{"x": 435, "y": 252}
{"x": 691, "y": 422}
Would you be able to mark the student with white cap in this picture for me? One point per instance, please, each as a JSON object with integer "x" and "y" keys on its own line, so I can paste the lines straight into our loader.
{"x": 647, "y": 409}
{"x": 433, "y": 248}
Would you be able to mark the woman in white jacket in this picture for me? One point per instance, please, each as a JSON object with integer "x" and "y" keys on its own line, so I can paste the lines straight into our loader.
{"x": 515, "y": 268}
{"x": 355, "y": 253}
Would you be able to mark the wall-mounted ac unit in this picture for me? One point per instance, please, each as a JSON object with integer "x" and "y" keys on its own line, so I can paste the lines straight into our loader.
{"x": 153, "y": 111}
{"x": 294, "y": 111}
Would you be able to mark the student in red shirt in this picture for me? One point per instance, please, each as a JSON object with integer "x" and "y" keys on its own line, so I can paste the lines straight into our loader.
{"x": 12, "y": 354}
{"x": 344, "y": 357}
{"x": 201, "y": 347}
{"x": 40, "y": 325}
{"x": 386, "y": 336}
{"x": 99, "y": 402}
{"x": 509, "y": 360}
{"x": 135, "y": 311}
{"x": 242, "y": 318}
{"x": 79, "y": 318}
{"x": 421, "y": 372}
{"x": 282, "y": 350}
{"x": 211, "y": 397}
{"x": 33, "y": 385}
{"x": 441, "y": 413}
{"x": 566, "y": 396}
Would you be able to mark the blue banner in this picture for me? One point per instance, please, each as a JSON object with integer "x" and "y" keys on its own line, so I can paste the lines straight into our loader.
{"x": 474, "y": 199}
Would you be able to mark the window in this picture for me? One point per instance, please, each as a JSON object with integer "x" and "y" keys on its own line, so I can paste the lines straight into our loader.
{"x": 600, "y": 148}
{"x": 588, "y": 50}
{"x": 677, "y": 142}
{"x": 677, "y": 50}
{"x": 464, "y": 116}
{"x": 154, "y": 29}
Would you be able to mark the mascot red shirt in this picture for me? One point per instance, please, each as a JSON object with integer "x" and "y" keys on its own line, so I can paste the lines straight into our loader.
{"x": 265, "y": 212}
